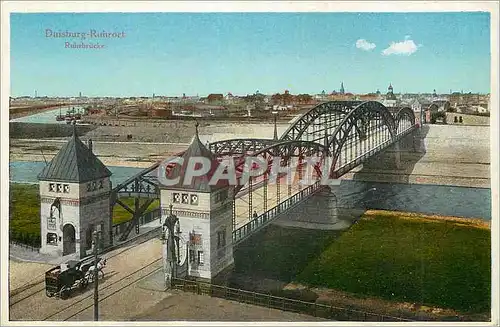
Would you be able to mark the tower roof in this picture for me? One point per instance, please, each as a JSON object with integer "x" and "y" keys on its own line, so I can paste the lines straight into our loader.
{"x": 197, "y": 183}
{"x": 74, "y": 163}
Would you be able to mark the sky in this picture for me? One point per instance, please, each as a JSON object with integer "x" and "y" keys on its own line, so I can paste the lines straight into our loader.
{"x": 201, "y": 53}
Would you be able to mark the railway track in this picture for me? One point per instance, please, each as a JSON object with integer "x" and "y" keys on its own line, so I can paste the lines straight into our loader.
{"x": 32, "y": 288}
{"x": 76, "y": 307}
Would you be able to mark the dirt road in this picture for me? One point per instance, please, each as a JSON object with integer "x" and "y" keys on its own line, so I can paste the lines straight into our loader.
{"x": 122, "y": 269}
{"x": 124, "y": 297}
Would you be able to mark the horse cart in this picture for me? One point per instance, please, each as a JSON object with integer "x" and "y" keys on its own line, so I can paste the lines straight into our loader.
{"x": 61, "y": 280}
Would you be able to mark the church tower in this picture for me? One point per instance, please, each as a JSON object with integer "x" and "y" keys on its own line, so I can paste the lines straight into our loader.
{"x": 342, "y": 91}
{"x": 74, "y": 195}
{"x": 201, "y": 220}
{"x": 390, "y": 94}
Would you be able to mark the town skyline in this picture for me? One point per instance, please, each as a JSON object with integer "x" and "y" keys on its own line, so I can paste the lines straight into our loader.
{"x": 38, "y": 94}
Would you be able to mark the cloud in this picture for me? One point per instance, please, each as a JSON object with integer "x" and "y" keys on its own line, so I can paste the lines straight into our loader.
{"x": 405, "y": 48}
{"x": 365, "y": 45}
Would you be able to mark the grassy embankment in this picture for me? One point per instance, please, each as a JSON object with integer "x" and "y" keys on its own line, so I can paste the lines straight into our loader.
{"x": 397, "y": 257}
{"x": 24, "y": 213}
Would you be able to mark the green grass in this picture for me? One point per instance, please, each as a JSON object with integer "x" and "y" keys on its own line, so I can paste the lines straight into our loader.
{"x": 434, "y": 263}
{"x": 24, "y": 210}
{"x": 121, "y": 215}
{"x": 280, "y": 253}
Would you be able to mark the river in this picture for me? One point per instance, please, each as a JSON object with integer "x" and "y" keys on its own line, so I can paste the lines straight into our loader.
{"x": 428, "y": 199}
{"x": 46, "y": 117}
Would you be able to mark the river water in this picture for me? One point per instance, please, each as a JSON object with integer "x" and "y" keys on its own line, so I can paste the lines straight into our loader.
{"x": 46, "y": 117}
{"x": 428, "y": 199}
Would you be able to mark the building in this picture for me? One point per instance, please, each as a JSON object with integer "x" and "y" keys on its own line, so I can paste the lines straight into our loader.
{"x": 215, "y": 98}
{"x": 278, "y": 107}
{"x": 161, "y": 112}
{"x": 390, "y": 93}
{"x": 74, "y": 196}
{"x": 321, "y": 97}
{"x": 200, "y": 216}
{"x": 368, "y": 97}
{"x": 466, "y": 101}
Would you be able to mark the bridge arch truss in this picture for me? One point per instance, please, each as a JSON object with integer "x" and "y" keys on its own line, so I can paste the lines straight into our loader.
{"x": 344, "y": 132}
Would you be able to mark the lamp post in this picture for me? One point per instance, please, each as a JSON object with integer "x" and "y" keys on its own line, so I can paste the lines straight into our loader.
{"x": 275, "y": 115}
{"x": 97, "y": 232}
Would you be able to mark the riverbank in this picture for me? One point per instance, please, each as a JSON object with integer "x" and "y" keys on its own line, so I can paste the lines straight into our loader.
{"x": 129, "y": 154}
{"x": 151, "y": 132}
{"x": 23, "y": 111}
{"x": 387, "y": 262}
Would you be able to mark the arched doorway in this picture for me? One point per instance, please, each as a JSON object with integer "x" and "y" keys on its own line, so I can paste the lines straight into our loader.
{"x": 69, "y": 244}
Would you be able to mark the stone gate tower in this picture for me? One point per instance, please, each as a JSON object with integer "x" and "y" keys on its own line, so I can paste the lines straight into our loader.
{"x": 74, "y": 195}
{"x": 204, "y": 219}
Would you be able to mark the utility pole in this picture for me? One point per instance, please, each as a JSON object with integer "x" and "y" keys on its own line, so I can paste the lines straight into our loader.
{"x": 96, "y": 277}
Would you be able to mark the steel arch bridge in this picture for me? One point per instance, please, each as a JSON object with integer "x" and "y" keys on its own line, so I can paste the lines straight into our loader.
{"x": 346, "y": 133}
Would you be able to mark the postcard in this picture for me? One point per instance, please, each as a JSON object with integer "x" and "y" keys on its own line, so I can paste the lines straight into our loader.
{"x": 264, "y": 162}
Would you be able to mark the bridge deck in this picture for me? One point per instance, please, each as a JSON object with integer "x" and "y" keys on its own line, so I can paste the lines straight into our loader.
{"x": 242, "y": 208}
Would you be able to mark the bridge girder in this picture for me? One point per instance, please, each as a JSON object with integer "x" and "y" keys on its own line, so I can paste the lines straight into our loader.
{"x": 347, "y": 114}
{"x": 331, "y": 108}
{"x": 285, "y": 151}
{"x": 364, "y": 114}
{"x": 290, "y": 149}
{"x": 405, "y": 118}
{"x": 240, "y": 146}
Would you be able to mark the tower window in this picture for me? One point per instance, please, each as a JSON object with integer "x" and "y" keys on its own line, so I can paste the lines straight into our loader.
{"x": 66, "y": 188}
{"x": 177, "y": 197}
{"x": 52, "y": 187}
{"x": 59, "y": 188}
{"x": 201, "y": 258}
{"x": 100, "y": 184}
{"x": 194, "y": 199}
{"x": 192, "y": 257}
{"x": 185, "y": 198}
{"x": 51, "y": 239}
